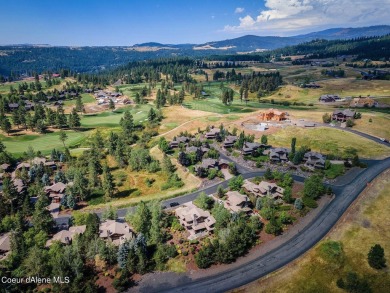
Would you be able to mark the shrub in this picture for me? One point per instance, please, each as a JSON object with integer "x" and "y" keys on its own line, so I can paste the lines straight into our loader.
{"x": 309, "y": 202}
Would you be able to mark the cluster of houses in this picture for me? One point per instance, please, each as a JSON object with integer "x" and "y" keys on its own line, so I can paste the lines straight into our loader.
{"x": 111, "y": 230}
{"x": 56, "y": 191}
{"x": 56, "y": 99}
{"x": 200, "y": 223}
{"x": 104, "y": 97}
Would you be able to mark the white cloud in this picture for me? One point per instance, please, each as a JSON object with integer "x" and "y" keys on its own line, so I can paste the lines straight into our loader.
{"x": 239, "y": 10}
{"x": 291, "y": 15}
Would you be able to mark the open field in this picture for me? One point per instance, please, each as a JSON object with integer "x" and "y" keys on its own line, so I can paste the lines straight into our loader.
{"x": 85, "y": 98}
{"x": 42, "y": 142}
{"x": 112, "y": 118}
{"x": 328, "y": 140}
{"x": 365, "y": 224}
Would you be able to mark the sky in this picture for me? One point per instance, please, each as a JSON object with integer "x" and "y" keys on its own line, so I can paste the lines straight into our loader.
{"x": 129, "y": 22}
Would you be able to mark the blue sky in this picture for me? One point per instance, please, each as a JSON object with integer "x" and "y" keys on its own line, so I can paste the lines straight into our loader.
{"x": 127, "y": 22}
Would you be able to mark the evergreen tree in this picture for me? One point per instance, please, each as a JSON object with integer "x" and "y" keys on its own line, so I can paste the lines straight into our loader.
{"x": 42, "y": 219}
{"x": 155, "y": 232}
{"x": 123, "y": 252}
{"x": 127, "y": 124}
{"x": 108, "y": 183}
{"x": 141, "y": 219}
{"x": 167, "y": 165}
{"x": 376, "y": 257}
{"x": 111, "y": 105}
{"x": 79, "y": 104}
{"x": 63, "y": 137}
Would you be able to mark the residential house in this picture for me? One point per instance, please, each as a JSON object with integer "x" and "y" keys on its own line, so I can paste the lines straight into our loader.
{"x": 314, "y": 160}
{"x": 115, "y": 231}
{"x": 66, "y": 236}
{"x": 264, "y": 188}
{"x": 23, "y": 165}
{"x": 277, "y": 155}
{"x": 197, "y": 222}
{"x": 213, "y": 133}
{"x": 210, "y": 163}
{"x": 343, "y": 115}
{"x": 329, "y": 98}
{"x": 178, "y": 140}
{"x": 272, "y": 115}
{"x": 237, "y": 202}
{"x": 194, "y": 149}
{"x": 5, "y": 167}
{"x": 229, "y": 141}
{"x": 13, "y": 106}
{"x": 5, "y": 245}
{"x": 249, "y": 148}
{"x": 19, "y": 185}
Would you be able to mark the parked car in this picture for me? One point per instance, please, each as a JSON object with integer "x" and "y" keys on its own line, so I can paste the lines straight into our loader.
{"x": 174, "y": 204}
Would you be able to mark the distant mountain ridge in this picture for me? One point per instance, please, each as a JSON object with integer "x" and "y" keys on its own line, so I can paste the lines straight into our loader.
{"x": 253, "y": 42}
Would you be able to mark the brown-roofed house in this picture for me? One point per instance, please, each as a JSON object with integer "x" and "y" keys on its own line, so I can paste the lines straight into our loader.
{"x": 343, "y": 115}
{"x": 66, "y": 236}
{"x": 237, "y": 202}
{"x": 115, "y": 231}
{"x": 197, "y": 222}
{"x": 262, "y": 189}
{"x": 5, "y": 245}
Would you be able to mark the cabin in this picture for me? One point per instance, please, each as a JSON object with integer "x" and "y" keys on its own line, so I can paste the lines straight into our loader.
{"x": 343, "y": 115}
{"x": 213, "y": 133}
{"x": 196, "y": 221}
{"x": 178, "y": 140}
{"x": 278, "y": 155}
{"x": 250, "y": 147}
{"x": 314, "y": 160}
{"x": 237, "y": 202}
{"x": 116, "y": 232}
{"x": 262, "y": 189}
{"x": 66, "y": 236}
{"x": 229, "y": 141}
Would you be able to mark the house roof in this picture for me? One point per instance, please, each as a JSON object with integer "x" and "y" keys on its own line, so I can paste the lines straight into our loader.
{"x": 65, "y": 236}
{"x": 38, "y": 160}
{"x": 58, "y": 187}
{"x": 112, "y": 227}
{"x": 235, "y": 198}
{"x": 189, "y": 211}
{"x": 23, "y": 165}
{"x": 5, "y": 242}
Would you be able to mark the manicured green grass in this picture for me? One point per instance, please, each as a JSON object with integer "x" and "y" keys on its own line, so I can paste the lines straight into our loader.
{"x": 85, "y": 98}
{"x": 42, "y": 142}
{"x": 334, "y": 171}
{"x": 111, "y": 119}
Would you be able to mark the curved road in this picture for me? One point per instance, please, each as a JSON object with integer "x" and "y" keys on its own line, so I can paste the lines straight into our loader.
{"x": 286, "y": 252}
{"x": 289, "y": 250}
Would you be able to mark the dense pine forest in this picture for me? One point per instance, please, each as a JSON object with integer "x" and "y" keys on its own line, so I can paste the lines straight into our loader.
{"x": 17, "y": 60}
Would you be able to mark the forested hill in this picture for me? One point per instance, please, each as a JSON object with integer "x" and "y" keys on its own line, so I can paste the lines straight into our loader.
{"x": 26, "y": 59}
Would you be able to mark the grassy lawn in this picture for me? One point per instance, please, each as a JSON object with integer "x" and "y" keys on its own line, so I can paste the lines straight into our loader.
{"x": 42, "y": 142}
{"x": 328, "y": 141}
{"x": 112, "y": 118}
{"x": 344, "y": 249}
{"x": 85, "y": 98}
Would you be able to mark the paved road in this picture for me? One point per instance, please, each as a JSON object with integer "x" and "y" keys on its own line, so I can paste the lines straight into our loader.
{"x": 346, "y": 193}
{"x": 285, "y": 253}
